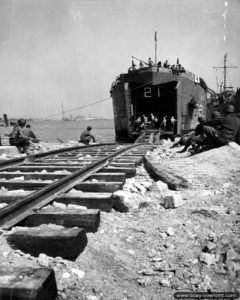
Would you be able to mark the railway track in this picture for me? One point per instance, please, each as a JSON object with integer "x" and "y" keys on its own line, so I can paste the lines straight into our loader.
{"x": 67, "y": 187}
{"x": 151, "y": 136}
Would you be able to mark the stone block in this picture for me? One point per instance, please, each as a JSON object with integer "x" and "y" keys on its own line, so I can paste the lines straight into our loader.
{"x": 173, "y": 201}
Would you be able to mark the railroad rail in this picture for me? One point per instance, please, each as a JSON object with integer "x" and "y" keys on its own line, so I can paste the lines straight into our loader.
{"x": 79, "y": 163}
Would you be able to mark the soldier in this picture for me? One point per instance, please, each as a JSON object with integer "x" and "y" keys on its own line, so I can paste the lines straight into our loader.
{"x": 150, "y": 62}
{"x": 164, "y": 123}
{"x": 228, "y": 130}
{"x": 173, "y": 122}
{"x": 86, "y": 136}
{"x": 17, "y": 137}
{"x": 197, "y": 138}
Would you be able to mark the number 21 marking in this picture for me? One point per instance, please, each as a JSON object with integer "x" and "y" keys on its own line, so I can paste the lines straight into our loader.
{"x": 147, "y": 92}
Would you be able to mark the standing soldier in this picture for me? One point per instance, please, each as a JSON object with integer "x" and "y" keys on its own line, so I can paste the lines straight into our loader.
{"x": 173, "y": 122}
{"x": 150, "y": 62}
{"x": 164, "y": 123}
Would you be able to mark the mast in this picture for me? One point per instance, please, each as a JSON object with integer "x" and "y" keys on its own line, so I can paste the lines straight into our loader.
{"x": 225, "y": 72}
{"x": 225, "y": 67}
{"x": 155, "y": 37}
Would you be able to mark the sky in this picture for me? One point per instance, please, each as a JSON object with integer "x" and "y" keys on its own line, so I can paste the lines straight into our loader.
{"x": 68, "y": 52}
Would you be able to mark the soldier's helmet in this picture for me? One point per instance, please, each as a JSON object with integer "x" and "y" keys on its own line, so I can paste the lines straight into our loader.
{"x": 229, "y": 108}
{"x": 21, "y": 122}
{"x": 202, "y": 118}
{"x": 216, "y": 115}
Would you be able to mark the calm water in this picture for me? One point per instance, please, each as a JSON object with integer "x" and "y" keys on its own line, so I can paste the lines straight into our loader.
{"x": 49, "y": 131}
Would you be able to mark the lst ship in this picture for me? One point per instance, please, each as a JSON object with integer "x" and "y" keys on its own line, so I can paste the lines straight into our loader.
{"x": 161, "y": 90}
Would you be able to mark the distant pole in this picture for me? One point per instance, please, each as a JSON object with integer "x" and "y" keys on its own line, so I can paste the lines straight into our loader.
{"x": 155, "y": 47}
{"x": 6, "y": 120}
{"x": 62, "y": 112}
{"x": 225, "y": 72}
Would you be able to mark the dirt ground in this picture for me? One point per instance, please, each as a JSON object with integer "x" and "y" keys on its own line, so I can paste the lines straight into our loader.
{"x": 151, "y": 252}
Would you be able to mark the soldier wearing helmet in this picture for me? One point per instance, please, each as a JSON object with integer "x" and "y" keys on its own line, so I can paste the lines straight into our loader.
{"x": 17, "y": 137}
{"x": 197, "y": 138}
{"x": 86, "y": 136}
{"x": 22, "y": 122}
{"x": 227, "y": 131}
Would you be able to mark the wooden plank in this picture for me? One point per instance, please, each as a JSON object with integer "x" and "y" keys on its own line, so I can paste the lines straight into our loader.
{"x": 31, "y": 176}
{"x": 76, "y": 157}
{"x": 109, "y": 177}
{"x": 99, "y": 186}
{"x": 27, "y": 283}
{"x": 130, "y": 172}
{"x": 138, "y": 159}
{"x": 102, "y": 201}
{"x": 56, "y": 160}
{"x": 130, "y": 156}
{"x": 135, "y": 153}
{"x": 22, "y": 184}
{"x": 67, "y": 243}
{"x": 88, "y": 219}
{"x": 122, "y": 165}
{"x": 27, "y": 168}
{"x": 126, "y": 160}
{"x": 59, "y": 163}
{"x": 167, "y": 175}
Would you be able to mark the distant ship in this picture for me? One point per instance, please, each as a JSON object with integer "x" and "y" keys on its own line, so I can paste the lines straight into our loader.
{"x": 162, "y": 90}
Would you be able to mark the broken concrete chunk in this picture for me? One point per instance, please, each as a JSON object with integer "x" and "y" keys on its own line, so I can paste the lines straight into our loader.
{"x": 232, "y": 255}
{"x": 160, "y": 188}
{"x": 125, "y": 201}
{"x": 44, "y": 260}
{"x": 170, "y": 231}
{"x": 164, "y": 282}
{"x": 207, "y": 258}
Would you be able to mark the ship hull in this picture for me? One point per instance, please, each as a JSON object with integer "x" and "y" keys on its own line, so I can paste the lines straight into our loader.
{"x": 157, "y": 91}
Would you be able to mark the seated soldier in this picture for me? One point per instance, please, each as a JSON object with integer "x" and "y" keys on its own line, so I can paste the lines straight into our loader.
{"x": 197, "y": 138}
{"x": 228, "y": 129}
{"x": 27, "y": 131}
{"x": 17, "y": 137}
{"x": 86, "y": 136}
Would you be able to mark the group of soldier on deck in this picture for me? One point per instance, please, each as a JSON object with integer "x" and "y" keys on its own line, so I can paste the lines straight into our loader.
{"x": 175, "y": 69}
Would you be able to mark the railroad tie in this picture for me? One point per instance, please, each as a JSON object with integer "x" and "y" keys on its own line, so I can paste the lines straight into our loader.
{"x": 88, "y": 219}
{"x": 67, "y": 243}
{"x": 102, "y": 201}
{"x": 27, "y": 283}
